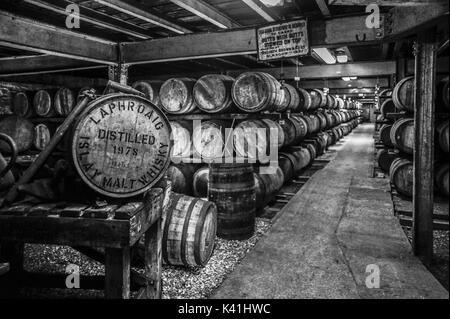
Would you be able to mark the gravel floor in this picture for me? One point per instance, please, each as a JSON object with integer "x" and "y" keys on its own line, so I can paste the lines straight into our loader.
{"x": 178, "y": 282}
{"x": 439, "y": 267}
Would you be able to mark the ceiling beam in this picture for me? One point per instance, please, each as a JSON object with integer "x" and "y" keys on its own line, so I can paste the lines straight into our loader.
{"x": 337, "y": 84}
{"x": 93, "y": 17}
{"x": 25, "y": 34}
{"x": 333, "y": 32}
{"x": 55, "y": 80}
{"x": 390, "y": 3}
{"x": 137, "y": 11}
{"x": 261, "y": 9}
{"x": 323, "y": 8}
{"x": 358, "y": 69}
{"x": 208, "y": 12}
{"x": 38, "y": 63}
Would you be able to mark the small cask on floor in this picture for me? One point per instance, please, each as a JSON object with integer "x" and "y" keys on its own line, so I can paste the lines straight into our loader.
{"x": 232, "y": 189}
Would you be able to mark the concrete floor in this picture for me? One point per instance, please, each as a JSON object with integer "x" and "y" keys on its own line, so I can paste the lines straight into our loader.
{"x": 340, "y": 222}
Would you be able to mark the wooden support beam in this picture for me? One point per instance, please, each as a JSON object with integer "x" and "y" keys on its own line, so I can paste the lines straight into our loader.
{"x": 138, "y": 12}
{"x": 38, "y": 63}
{"x": 262, "y": 10}
{"x": 423, "y": 184}
{"x": 26, "y": 34}
{"x": 47, "y": 81}
{"x": 334, "y": 84}
{"x": 208, "y": 12}
{"x": 359, "y": 69}
{"x": 94, "y": 17}
{"x": 389, "y": 3}
{"x": 333, "y": 32}
{"x": 323, "y": 8}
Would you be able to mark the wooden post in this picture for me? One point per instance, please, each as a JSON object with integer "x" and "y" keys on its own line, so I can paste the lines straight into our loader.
{"x": 153, "y": 260}
{"x": 118, "y": 73}
{"x": 117, "y": 273}
{"x": 425, "y": 70}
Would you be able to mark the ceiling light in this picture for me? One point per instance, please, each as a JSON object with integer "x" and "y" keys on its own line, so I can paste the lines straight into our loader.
{"x": 341, "y": 57}
{"x": 353, "y": 77}
{"x": 272, "y": 3}
{"x": 325, "y": 55}
{"x": 346, "y": 78}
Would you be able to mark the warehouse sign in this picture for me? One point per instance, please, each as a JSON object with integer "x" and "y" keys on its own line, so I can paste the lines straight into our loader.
{"x": 283, "y": 40}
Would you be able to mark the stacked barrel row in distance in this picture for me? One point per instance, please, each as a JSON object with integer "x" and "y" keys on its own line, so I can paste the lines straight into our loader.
{"x": 311, "y": 111}
{"x": 398, "y": 136}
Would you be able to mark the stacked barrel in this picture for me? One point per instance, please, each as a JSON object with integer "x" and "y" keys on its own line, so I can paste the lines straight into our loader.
{"x": 400, "y": 136}
{"x": 255, "y": 114}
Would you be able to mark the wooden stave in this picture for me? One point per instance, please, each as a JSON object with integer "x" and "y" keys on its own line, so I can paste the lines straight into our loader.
{"x": 180, "y": 242}
{"x": 21, "y": 130}
{"x": 38, "y": 99}
{"x": 181, "y": 177}
{"x": 286, "y": 163}
{"x": 316, "y": 99}
{"x": 301, "y": 157}
{"x": 292, "y": 98}
{"x": 404, "y": 166}
{"x": 398, "y": 134}
{"x": 233, "y": 183}
{"x": 210, "y": 83}
{"x": 323, "y": 121}
{"x": 407, "y": 105}
{"x": 64, "y": 101}
{"x": 184, "y": 84}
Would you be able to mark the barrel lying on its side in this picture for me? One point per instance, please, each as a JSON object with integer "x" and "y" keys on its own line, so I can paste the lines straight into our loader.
{"x": 402, "y": 135}
{"x": 212, "y": 93}
{"x": 189, "y": 231}
{"x": 401, "y": 174}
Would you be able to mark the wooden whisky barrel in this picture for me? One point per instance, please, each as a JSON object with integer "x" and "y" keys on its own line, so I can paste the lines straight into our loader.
{"x": 20, "y": 130}
{"x": 41, "y": 136}
{"x": 209, "y": 139}
{"x": 442, "y": 178}
{"x": 312, "y": 152}
{"x": 331, "y": 101}
{"x": 305, "y": 101}
{"x": 257, "y": 91}
{"x": 43, "y": 104}
{"x": 176, "y": 96}
{"x": 253, "y": 139}
{"x": 340, "y": 103}
{"x": 443, "y": 135}
{"x": 121, "y": 145}
{"x": 442, "y": 94}
{"x": 181, "y": 136}
{"x": 322, "y": 120}
{"x": 200, "y": 182}
{"x": 189, "y": 231}
{"x": 150, "y": 90}
{"x": 181, "y": 176}
{"x": 385, "y": 159}
{"x": 22, "y": 105}
{"x": 212, "y": 93}
{"x": 403, "y": 94}
{"x": 388, "y": 106}
{"x": 401, "y": 174}
{"x": 301, "y": 156}
{"x": 402, "y": 135}
{"x": 292, "y": 98}
{"x": 64, "y": 101}
{"x": 286, "y": 163}
{"x": 267, "y": 185}
{"x": 385, "y": 135}
{"x": 232, "y": 189}
{"x": 316, "y": 98}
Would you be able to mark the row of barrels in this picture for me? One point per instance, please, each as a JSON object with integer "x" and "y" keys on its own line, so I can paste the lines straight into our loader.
{"x": 401, "y": 135}
{"x": 403, "y": 96}
{"x": 401, "y": 174}
{"x": 44, "y": 103}
{"x": 27, "y": 135}
{"x": 209, "y": 139}
{"x": 250, "y": 92}
{"x": 239, "y": 190}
